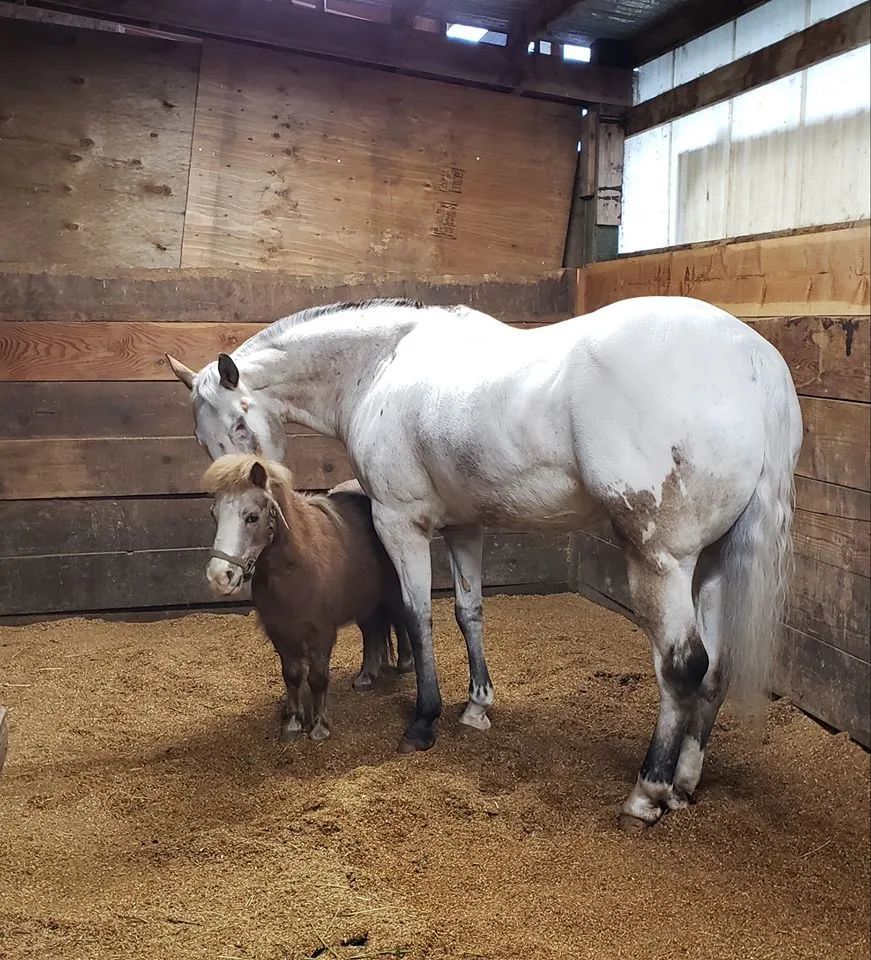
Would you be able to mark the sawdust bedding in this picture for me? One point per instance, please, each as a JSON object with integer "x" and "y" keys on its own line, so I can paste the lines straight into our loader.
{"x": 147, "y": 810}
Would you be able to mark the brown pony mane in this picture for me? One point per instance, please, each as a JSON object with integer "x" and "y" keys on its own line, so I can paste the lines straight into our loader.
{"x": 232, "y": 474}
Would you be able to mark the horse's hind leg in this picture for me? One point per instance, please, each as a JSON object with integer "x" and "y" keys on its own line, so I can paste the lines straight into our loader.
{"x": 713, "y": 689}
{"x": 465, "y": 547}
{"x": 662, "y": 594}
{"x": 376, "y": 640}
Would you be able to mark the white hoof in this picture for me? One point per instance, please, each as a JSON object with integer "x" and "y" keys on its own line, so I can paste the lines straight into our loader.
{"x": 475, "y": 716}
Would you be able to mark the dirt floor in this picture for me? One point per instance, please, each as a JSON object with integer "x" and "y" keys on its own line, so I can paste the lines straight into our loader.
{"x": 147, "y": 810}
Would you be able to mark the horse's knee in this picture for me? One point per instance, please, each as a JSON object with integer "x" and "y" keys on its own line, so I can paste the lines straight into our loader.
{"x": 685, "y": 664}
{"x": 469, "y": 613}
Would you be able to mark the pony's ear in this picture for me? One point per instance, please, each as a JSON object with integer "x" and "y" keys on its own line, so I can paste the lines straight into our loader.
{"x": 185, "y": 374}
{"x": 258, "y": 475}
{"x": 228, "y": 371}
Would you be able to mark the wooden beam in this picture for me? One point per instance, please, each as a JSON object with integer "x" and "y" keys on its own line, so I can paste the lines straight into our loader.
{"x": 403, "y": 12}
{"x": 691, "y": 21}
{"x": 285, "y": 27}
{"x": 823, "y": 40}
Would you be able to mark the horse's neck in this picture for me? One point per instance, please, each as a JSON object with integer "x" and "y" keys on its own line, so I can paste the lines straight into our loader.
{"x": 314, "y": 372}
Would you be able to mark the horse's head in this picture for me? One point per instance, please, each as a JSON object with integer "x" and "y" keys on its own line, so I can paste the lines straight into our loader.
{"x": 247, "y": 514}
{"x": 230, "y": 417}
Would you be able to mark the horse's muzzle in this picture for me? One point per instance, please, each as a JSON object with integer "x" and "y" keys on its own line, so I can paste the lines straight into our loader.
{"x": 225, "y": 579}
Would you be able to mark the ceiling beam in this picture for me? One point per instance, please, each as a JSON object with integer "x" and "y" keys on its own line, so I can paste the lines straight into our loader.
{"x": 690, "y": 21}
{"x": 823, "y": 40}
{"x": 403, "y": 12}
{"x": 286, "y": 27}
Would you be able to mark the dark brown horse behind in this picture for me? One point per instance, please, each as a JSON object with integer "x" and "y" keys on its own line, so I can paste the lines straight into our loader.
{"x": 316, "y": 564}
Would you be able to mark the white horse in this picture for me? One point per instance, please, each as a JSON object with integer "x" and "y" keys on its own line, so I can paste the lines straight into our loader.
{"x": 668, "y": 415}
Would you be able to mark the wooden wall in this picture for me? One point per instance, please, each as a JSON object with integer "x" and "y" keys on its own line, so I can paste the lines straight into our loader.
{"x": 809, "y": 295}
{"x": 121, "y": 151}
{"x": 100, "y": 503}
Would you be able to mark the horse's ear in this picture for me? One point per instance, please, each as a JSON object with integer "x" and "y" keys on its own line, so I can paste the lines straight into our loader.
{"x": 185, "y": 374}
{"x": 229, "y": 372}
{"x": 258, "y": 475}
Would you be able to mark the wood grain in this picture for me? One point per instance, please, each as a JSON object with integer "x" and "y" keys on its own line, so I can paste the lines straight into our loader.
{"x": 97, "y": 130}
{"x": 245, "y": 296}
{"x": 819, "y": 274}
{"x": 34, "y": 469}
{"x": 318, "y": 167}
{"x": 832, "y": 524}
{"x": 837, "y": 442}
{"x": 826, "y": 682}
{"x": 175, "y": 577}
{"x": 827, "y": 356}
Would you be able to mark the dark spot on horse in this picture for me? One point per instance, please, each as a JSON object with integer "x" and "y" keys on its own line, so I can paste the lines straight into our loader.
{"x": 359, "y": 381}
{"x": 153, "y": 134}
{"x": 328, "y": 467}
{"x": 686, "y": 668}
{"x": 158, "y": 189}
{"x": 86, "y": 142}
{"x": 74, "y": 157}
{"x": 168, "y": 105}
{"x": 276, "y": 136}
{"x": 274, "y": 116}
{"x": 676, "y": 456}
{"x": 69, "y": 225}
{"x": 78, "y": 81}
{"x": 166, "y": 458}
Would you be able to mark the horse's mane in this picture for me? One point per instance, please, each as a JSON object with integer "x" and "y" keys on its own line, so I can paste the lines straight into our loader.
{"x": 232, "y": 474}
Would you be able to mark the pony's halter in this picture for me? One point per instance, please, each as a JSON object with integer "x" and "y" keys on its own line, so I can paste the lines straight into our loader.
{"x": 247, "y": 564}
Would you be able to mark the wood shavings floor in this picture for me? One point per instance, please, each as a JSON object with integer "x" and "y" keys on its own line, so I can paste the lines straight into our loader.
{"x": 147, "y": 811}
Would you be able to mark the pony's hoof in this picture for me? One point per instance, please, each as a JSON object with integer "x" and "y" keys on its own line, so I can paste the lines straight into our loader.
{"x": 320, "y": 732}
{"x": 475, "y": 716}
{"x": 405, "y": 666}
{"x": 635, "y": 825}
{"x": 290, "y": 731}
{"x": 363, "y": 682}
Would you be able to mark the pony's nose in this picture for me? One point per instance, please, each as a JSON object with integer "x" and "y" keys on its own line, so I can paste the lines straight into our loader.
{"x": 223, "y": 577}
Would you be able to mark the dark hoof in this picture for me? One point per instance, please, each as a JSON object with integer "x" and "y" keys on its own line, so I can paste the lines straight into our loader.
{"x": 363, "y": 683}
{"x": 407, "y": 745}
{"x": 405, "y": 666}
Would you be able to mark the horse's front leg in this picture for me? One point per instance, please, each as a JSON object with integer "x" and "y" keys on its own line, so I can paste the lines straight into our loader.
{"x": 465, "y": 549}
{"x": 661, "y": 589}
{"x": 293, "y": 671}
{"x": 408, "y": 548}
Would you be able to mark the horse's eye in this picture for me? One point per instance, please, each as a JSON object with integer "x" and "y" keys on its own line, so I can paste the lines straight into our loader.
{"x": 252, "y": 518}
{"x": 212, "y": 512}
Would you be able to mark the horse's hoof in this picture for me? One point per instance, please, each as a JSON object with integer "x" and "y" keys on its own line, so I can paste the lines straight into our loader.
{"x": 320, "y": 732}
{"x": 363, "y": 683}
{"x": 414, "y": 744}
{"x": 405, "y": 666}
{"x": 475, "y": 716}
{"x": 290, "y": 731}
{"x": 678, "y": 799}
{"x": 630, "y": 824}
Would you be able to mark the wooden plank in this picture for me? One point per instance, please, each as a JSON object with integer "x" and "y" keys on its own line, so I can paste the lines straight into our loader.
{"x": 820, "y": 274}
{"x": 602, "y": 566}
{"x": 827, "y": 356}
{"x": 290, "y": 27}
{"x": 823, "y": 40}
{"x": 696, "y": 17}
{"x": 609, "y": 188}
{"x": 831, "y": 605}
{"x": 33, "y": 469}
{"x": 837, "y": 442}
{"x": 97, "y": 131}
{"x": 87, "y": 352}
{"x": 244, "y": 296}
{"x": 833, "y": 525}
{"x": 337, "y": 171}
{"x": 825, "y": 682}
{"x": 154, "y": 578}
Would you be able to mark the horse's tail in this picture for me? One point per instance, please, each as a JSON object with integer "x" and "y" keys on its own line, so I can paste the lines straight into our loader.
{"x": 757, "y": 553}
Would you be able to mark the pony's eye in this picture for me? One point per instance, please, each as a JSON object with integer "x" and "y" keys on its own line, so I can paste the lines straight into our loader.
{"x": 252, "y": 518}
{"x": 212, "y": 512}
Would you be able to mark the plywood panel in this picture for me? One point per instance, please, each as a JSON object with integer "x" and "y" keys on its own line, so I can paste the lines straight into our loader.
{"x": 175, "y": 577}
{"x": 820, "y": 274}
{"x": 833, "y": 525}
{"x": 314, "y": 167}
{"x": 837, "y": 442}
{"x": 97, "y": 131}
{"x": 34, "y": 469}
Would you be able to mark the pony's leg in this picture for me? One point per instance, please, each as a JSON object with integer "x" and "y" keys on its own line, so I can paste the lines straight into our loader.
{"x": 465, "y": 547}
{"x": 318, "y": 682}
{"x": 292, "y": 715}
{"x": 661, "y": 589}
{"x": 376, "y": 639}
{"x": 712, "y": 691}
{"x": 404, "y": 653}
{"x": 408, "y": 548}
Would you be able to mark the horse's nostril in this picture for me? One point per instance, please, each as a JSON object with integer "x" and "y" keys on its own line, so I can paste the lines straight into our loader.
{"x": 228, "y": 575}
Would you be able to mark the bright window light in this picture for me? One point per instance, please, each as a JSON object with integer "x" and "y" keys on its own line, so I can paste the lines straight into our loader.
{"x": 459, "y": 31}
{"x": 573, "y": 52}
